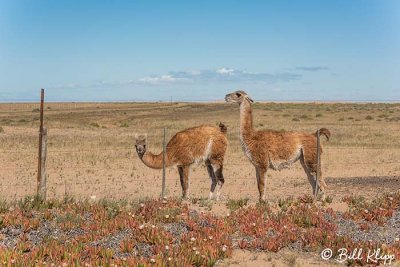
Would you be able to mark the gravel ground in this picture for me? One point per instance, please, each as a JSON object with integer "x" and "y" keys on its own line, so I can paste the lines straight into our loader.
{"x": 114, "y": 242}
{"x": 10, "y": 236}
{"x": 387, "y": 233}
{"x": 176, "y": 229}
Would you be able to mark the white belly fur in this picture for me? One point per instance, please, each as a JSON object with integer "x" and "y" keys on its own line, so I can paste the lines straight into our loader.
{"x": 279, "y": 164}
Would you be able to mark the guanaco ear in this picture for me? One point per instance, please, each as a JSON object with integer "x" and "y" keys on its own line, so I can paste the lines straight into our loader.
{"x": 250, "y": 100}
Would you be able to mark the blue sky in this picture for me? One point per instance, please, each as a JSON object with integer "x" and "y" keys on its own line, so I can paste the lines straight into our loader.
{"x": 199, "y": 50}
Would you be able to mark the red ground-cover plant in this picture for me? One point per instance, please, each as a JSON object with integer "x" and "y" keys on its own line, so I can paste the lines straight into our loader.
{"x": 375, "y": 211}
{"x": 105, "y": 233}
{"x": 169, "y": 233}
{"x": 301, "y": 222}
{"x": 302, "y": 225}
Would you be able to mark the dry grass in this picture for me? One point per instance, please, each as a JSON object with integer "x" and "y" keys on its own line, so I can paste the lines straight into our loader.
{"x": 91, "y": 147}
{"x": 91, "y": 154}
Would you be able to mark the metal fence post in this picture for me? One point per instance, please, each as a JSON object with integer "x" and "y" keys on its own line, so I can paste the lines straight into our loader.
{"x": 164, "y": 163}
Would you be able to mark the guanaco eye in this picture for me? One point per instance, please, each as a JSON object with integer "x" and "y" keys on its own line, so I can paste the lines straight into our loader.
{"x": 238, "y": 94}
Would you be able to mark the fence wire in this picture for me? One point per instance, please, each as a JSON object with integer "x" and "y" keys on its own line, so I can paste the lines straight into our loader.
{"x": 63, "y": 175}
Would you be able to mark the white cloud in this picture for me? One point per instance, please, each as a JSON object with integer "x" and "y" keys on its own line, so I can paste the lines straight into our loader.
{"x": 226, "y": 74}
{"x": 195, "y": 72}
{"x": 225, "y": 71}
{"x": 221, "y": 75}
{"x": 167, "y": 78}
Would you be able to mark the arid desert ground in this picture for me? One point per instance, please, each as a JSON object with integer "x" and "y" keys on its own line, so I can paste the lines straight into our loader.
{"x": 91, "y": 155}
{"x": 91, "y": 148}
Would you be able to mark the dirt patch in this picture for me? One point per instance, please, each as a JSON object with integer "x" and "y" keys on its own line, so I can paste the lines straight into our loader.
{"x": 91, "y": 153}
{"x": 84, "y": 160}
{"x": 283, "y": 258}
{"x": 338, "y": 206}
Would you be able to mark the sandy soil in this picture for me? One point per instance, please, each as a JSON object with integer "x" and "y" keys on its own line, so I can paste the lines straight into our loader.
{"x": 90, "y": 149}
{"x": 90, "y": 153}
{"x": 283, "y": 258}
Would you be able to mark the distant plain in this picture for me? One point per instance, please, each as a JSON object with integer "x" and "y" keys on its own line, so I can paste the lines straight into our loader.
{"x": 91, "y": 148}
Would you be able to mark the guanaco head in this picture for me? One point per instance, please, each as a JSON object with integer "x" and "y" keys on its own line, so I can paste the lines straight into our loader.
{"x": 238, "y": 97}
{"x": 223, "y": 128}
{"x": 140, "y": 144}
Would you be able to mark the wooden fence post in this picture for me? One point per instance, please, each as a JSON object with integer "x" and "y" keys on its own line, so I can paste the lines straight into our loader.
{"x": 39, "y": 174}
{"x": 164, "y": 163}
{"x": 318, "y": 166}
{"x": 43, "y": 178}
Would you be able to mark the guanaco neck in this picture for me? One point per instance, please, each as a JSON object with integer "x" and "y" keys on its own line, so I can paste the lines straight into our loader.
{"x": 151, "y": 160}
{"x": 246, "y": 120}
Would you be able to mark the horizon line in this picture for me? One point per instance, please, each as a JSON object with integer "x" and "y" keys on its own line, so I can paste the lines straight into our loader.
{"x": 208, "y": 101}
